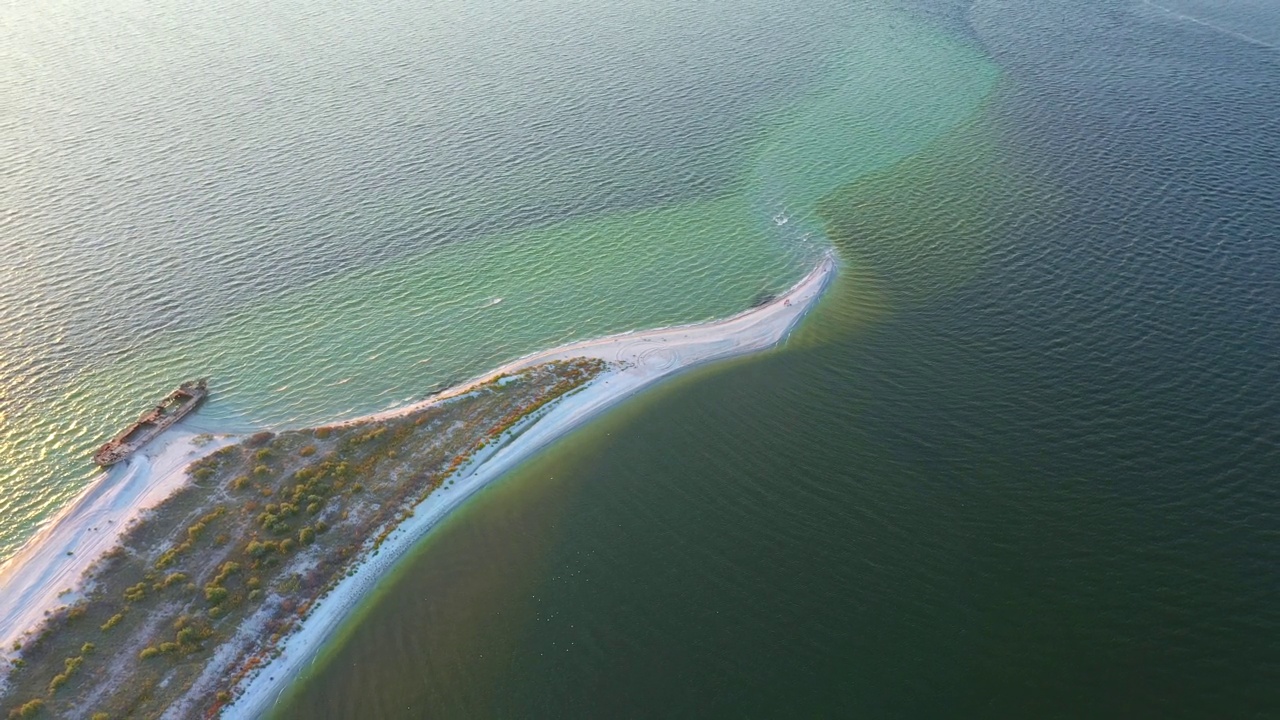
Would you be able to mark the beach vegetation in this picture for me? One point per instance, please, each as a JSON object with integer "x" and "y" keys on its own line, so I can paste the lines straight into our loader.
{"x": 136, "y": 593}
{"x": 172, "y": 579}
{"x": 69, "y": 668}
{"x": 259, "y": 439}
{"x": 338, "y": 492}
{"x": 29, "y": 709}
{"x": 215, "y": 594}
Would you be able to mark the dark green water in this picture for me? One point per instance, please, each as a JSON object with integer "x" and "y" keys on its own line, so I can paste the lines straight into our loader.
{"x": 1023, "y": 461}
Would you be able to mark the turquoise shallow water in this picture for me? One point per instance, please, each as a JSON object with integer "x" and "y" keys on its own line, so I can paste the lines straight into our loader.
{"x": 343, "y": 234}
{"x": 1020, "y": 463}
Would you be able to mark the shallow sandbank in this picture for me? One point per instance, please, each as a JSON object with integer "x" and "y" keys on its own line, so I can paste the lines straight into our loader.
{"x": 639, "y": 359}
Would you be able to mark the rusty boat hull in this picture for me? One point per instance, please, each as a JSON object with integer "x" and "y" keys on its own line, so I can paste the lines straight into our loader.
{"x": 175, "y": 406}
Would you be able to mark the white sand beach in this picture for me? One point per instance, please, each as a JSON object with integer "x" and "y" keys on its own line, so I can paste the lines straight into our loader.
{"x": 639, "y": 360}
{"x": 48, "y": 571}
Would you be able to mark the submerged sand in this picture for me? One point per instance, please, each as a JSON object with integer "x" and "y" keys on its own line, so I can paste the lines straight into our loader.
{"x": 639, "y": 360}
{"x": 48, "y": 571}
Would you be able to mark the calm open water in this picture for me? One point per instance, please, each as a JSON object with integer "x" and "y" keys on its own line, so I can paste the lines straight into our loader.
{"x": 1025, "y": 461}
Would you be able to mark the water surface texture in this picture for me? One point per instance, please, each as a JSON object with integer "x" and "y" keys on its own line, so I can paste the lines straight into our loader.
{"x": 1022, "y": 462}
{"x": 331, "y": 210}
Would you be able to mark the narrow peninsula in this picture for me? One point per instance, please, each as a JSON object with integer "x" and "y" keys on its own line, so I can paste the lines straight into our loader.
{"x": 207, "y": 603}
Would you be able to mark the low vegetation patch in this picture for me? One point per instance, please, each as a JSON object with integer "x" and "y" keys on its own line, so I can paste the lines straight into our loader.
{"x": 235, "y": 559}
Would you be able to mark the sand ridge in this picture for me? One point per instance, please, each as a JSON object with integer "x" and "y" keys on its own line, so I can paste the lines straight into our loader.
{"x": 36, "y": 580}
{"x": 639, "y": 360}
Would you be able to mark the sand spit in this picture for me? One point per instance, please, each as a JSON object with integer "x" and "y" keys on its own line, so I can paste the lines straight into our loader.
{"x": 48, "y": 572}
{"x": 37, "y": 579}
{"x": 639, "y": 359}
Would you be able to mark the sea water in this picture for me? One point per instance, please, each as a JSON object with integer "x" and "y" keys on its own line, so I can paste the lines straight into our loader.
{"x": 332, "y": 210}
{"x": 1021, "y": 462}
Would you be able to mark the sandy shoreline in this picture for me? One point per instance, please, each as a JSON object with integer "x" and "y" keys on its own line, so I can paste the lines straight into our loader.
{"x": 641, "y": 359}
{"x": 36, "y": 579}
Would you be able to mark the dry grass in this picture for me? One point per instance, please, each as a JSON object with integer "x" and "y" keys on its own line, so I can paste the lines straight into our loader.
{"x": 262, "y": 531}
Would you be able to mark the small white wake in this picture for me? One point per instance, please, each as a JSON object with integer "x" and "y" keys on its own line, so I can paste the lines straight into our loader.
{"x": 1212, "y": 26}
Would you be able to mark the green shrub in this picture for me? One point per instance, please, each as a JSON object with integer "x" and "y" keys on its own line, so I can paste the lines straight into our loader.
{"x": 167, "y": 558}
{"x": 227, "y": 570}
{"x": 136, "y": 593}
{"x": 148, "y": 653}
{"x": 188, "y": 636}
{"x": 259, "y": 439}
{"x": 215, "y": 594}
{"x": 113, "y": 621}
{"x": 28, "y": 710}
